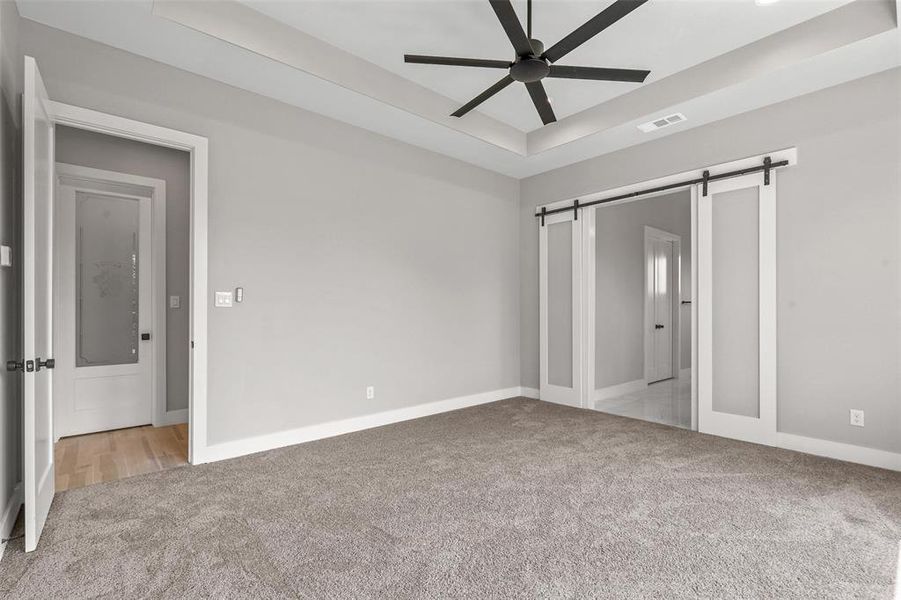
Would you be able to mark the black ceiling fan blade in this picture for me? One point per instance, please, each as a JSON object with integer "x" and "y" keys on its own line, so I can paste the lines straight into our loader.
{"x": 594, "y": 26}
{"x": 483, "y": 96}
{"x": 510, "y": 22}
{"x": 542, "y": 104}
{"x": 598, "y": 73}
{"x": 457, "y": 62}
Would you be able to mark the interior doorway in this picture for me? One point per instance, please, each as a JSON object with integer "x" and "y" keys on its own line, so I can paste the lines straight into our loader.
{"x": 120, "y": 284}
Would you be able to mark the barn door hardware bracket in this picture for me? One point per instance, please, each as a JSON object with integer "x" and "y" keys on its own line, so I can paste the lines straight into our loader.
{"x": 767, "y": 165}
{"x": 543, "y": 213}
{"x": 706, "y": 179}
{"x": 576, "y": 210}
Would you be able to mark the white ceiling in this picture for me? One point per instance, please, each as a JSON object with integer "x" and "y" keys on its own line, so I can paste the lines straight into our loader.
{"x": 263, "y": 51}
{"x": 665, "y": 36}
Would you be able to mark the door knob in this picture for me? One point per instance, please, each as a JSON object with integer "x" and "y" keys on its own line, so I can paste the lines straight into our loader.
{"x": 15, "y": 365}
{"x": 658, "y": 326}
{"x": 49, "y": 363}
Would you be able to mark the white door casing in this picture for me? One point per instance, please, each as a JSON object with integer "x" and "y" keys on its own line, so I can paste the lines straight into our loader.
{"x": 662, "y": 322}
{"x": 738, "y": 305}
{"x": 100, "y": 397}
{"x": 560, "y": 309}
{"x": 37, "y": 307}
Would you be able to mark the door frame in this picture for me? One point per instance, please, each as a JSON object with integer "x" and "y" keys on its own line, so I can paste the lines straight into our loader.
{"x": 198, "y": 149}
{"x": 126, "y": 184}
{"x": 589, "y": 245}
{"x": 653, "y": 233}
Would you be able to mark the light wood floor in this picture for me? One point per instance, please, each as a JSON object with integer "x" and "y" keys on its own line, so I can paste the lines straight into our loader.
{"x": 109, "y": 455}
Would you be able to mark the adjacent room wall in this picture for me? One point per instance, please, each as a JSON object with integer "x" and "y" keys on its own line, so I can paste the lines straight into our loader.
{"x": 838, "y": 246}
{"x": 620, "y": 281}
{"x": 365, "y": 261}
{"x": 98, "y": 151}
{"x": 10, "y": 278}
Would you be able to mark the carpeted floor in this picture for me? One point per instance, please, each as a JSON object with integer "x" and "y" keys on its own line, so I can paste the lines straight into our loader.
{"x": 513, "y": 499}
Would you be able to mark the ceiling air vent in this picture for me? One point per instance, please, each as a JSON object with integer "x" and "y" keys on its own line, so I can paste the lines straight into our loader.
{"x": 662, "y": 122}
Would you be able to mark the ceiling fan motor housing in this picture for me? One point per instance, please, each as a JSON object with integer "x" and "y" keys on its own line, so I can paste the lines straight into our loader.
{"x": 531, "y": 67}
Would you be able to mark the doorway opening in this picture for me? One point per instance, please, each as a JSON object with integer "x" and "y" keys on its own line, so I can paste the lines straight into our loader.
{"x": 643, "y": 322}
{"x": 121, "y": 292}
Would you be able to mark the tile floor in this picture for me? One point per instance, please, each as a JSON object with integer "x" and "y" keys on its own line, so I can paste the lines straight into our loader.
{"x": 667, "y": 402}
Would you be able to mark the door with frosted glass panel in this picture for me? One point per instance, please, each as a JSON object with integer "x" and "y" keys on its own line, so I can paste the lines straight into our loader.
{"x": 104, "y": 304}
{"x": 560, "y": 252}
{"x": 737, "y": 308}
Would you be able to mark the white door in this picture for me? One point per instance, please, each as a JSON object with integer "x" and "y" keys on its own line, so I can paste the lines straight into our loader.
{"x": 104, "y": 333}
{"x": 560, "y": 276}
{"x": 736, "y": 233}
{"x": 661, "y": 284}
{"x": 37, "y": 261}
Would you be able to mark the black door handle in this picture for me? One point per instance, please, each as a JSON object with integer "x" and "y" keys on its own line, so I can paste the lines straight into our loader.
{"x": 49, "y": 363}
{"x": 145, "y": 337}
{"x": 658, "y": 326}
{"x": 15, "y": 365}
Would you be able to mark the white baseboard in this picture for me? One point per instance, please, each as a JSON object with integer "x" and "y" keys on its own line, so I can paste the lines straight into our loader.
{"x": 528, "y": 392}
{"x": 291, "y": 437}
{"x": 172, "y": 417}
{"x": 10, "y": 512}
{"x": 620, "y": 389}
{"x": 840, "y": 451}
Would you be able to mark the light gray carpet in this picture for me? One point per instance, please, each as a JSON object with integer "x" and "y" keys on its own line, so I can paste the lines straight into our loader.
{"x": 513, "y": 499}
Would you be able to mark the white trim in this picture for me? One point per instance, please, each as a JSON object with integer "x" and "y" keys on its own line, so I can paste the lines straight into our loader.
{"x": 319, "y": 431}
{"x": 694, "y": 308}
{"x": 528, "y": 392}
{"x": 789, "y": 154}
{"x": 79, "y": 177}
{"x": 652, "y": 233}
{"x": 839, "y": 451}
{"x": 620, "y": 389}
{"x": 10, "y": 513}
{"x": 197, "y": 146}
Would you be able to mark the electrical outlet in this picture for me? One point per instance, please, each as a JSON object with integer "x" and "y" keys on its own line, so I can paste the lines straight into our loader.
{"x": 370, "y": 392}
{"x": 856, "y": 417}
{"x": 174, "y": 301}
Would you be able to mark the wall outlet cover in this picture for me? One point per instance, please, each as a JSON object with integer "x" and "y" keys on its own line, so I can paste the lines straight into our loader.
{"x": 370, "y": 392}
{"x": 857, "y": 417}
{"x": 174, "y": 301}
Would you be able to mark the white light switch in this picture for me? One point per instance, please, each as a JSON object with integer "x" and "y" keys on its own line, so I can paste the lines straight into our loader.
{"x": 223, "y": 299}
{"x": 174, "y": 301}
{"x": 6, "y": 256}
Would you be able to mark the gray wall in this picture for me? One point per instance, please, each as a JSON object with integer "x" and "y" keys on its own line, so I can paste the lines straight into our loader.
{"x": 98, "y": 151}
{"x": 620, "y": 272}
{"x": 10, "y": 324}
{"x": 838, "y": 246}
{"x": 365, "y": 261}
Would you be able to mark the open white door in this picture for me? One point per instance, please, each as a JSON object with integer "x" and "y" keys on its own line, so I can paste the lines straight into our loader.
{"x": 37, "y": 437}
{"x": 560, "y": 277}
{"x": 736, "y": 237}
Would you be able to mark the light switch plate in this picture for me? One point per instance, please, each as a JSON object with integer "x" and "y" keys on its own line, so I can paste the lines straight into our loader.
{"x": 223, "y": 299}
{"x": 6, "y": 256}
{"x": 174, "y": 301}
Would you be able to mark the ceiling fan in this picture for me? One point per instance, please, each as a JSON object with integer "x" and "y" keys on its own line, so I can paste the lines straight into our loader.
{"x": 533, "y": 63}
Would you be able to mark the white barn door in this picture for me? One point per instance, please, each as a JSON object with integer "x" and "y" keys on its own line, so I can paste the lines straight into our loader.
{"x": 560, "y": 310}
{"x": 736, "y": 237}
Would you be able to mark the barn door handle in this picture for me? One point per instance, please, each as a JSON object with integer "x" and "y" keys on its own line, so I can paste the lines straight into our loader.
{"x": 658, "y": 326}
{"x": 15, "y": 365}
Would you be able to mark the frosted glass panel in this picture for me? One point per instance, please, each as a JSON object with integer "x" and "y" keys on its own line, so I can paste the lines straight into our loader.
{"x": 736, "y": 299}
{"x": 560, "y": 304}
{"x": 106, "y": 282}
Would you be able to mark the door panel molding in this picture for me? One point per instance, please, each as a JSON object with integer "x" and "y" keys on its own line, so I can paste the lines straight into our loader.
{"x": 652, "y": 234}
